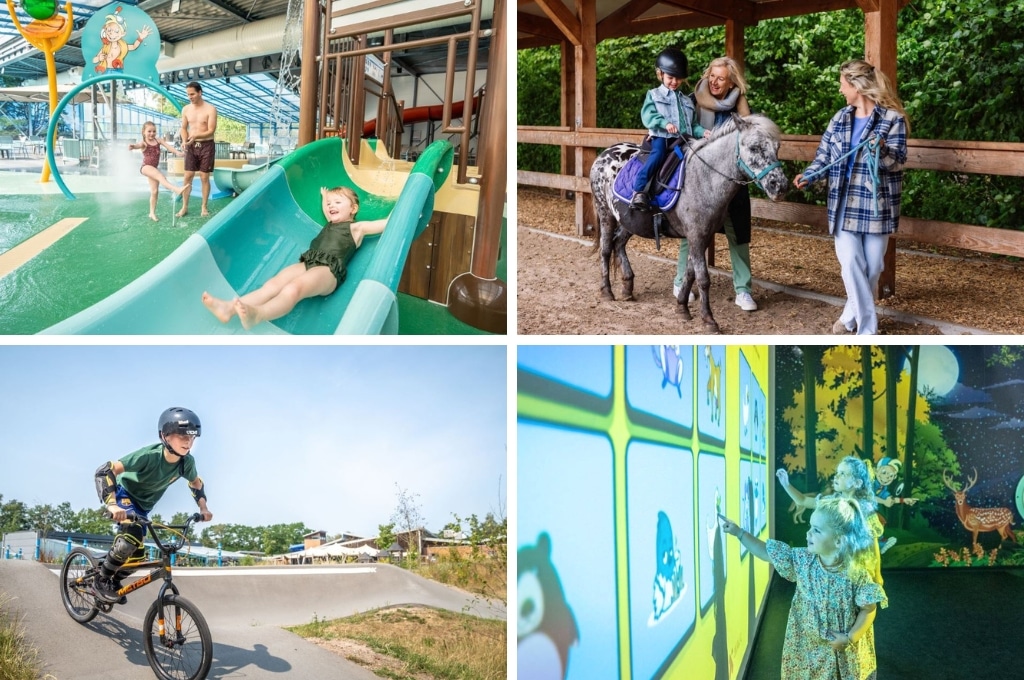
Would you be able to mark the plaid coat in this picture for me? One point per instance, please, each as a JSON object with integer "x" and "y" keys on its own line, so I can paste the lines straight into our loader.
{"x": 860, "y": 207}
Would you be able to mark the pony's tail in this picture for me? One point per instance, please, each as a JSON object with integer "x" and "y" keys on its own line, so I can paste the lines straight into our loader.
{"x": 591, "y": 217}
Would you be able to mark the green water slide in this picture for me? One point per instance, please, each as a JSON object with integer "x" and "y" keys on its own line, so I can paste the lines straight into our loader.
{"x": 261, "y": 232}
{"x": 238, "y": 180}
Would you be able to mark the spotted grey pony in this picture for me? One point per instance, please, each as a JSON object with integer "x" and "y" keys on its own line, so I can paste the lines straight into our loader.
{"x": 742, "y": 150}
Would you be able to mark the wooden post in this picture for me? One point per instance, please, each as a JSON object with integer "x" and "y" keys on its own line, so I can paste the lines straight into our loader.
{"x": 307, "y": 73}
{"x": 880, "y": 52}
{"x": 585, "y": 103}
{"x": 734, "y": 48}
{"x": 568, "y": 108}
{"x": 477, "y": 297}
{"x": 734, "y": 42}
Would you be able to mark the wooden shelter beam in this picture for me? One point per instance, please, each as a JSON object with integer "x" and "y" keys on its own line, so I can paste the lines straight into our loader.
{"x": 793, "y": 8}
{"x": 567, "y": 24}
{"x": 538, "y": 26}
{"x": 662, "y": 24}
{"x": 624, "y": 16}
{"x": 740, "y": 10}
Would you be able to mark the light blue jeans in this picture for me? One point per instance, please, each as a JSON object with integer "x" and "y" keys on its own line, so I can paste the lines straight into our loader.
{"x": 862, "y": 259}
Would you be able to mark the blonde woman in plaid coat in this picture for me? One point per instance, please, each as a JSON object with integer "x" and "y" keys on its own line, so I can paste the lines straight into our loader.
{"x": 862, "y": 213}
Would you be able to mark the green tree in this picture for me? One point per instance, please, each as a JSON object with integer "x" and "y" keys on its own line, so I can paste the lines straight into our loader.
{"x": 385, "y": 536}
{"x": 93, "y": 521}
{"x": 843, "y": 411}
{"x": 13, "y": 516}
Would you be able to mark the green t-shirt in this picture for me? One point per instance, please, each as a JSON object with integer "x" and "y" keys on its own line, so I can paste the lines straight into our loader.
{"x": 147, "y": 475}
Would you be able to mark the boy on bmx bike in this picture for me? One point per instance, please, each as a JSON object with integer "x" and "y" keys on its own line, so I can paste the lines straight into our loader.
{"x": 136, "y": 482}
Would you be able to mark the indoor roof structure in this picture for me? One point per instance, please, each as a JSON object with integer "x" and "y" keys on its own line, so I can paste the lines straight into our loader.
{"x": 247, "y": 34}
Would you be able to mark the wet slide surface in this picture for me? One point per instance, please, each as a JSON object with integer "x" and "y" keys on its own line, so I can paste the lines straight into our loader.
{"x": 245, "y": 608}
{"x": 262, "y": 231}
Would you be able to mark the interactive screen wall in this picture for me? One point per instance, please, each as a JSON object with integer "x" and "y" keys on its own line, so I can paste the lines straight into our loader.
{"x": 625, "y": 456}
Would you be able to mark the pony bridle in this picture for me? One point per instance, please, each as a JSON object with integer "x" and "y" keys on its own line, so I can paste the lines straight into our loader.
{"x": 755, "y": 177}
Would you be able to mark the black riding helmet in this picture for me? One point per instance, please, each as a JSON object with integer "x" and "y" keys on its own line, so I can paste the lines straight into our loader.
{"x": 672, "y": 62}
{"x": 178, "y": 420}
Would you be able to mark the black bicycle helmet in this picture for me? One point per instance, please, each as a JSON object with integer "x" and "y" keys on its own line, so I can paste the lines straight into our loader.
{"x": 672, "y": 62}
{"x": 178, "y": 420}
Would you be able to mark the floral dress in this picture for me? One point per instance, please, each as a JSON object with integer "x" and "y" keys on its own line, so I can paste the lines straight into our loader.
{"x": 825, "y": 602}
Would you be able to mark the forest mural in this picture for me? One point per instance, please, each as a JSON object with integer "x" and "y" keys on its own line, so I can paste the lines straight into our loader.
{"x": 943, "y": 427}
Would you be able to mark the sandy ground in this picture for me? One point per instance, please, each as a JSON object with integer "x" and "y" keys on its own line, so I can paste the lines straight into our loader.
{"x": 797, "y": 284}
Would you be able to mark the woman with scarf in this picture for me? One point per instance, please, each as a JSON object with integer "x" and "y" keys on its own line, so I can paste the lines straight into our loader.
{"x": 719, "y": 94}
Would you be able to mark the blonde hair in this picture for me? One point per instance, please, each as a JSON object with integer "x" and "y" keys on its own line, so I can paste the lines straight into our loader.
{"x": 147, "y": 124}
{"x": 735, "y": 74}
{"x": 862, "y": 472}
{"x": 845, "y": 518}
{"x": 352, "y": 196}
{"x": 874, "y": 85}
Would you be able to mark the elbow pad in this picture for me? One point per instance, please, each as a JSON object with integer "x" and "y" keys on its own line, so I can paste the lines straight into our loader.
{"x": 199, "y": 493}
{"x": 106, "y": 484}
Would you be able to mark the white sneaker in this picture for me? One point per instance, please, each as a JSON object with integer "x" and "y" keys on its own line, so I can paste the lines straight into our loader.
{"x": 676, "y": 289}
{"x": 745, "y": 302}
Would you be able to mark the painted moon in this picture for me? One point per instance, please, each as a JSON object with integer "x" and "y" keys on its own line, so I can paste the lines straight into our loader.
{"x": 1020, "y": 497}
{"x": 939, "y": 369}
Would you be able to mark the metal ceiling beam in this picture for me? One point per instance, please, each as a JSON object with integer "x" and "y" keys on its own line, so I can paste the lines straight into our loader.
{"x": 229, "y": 9}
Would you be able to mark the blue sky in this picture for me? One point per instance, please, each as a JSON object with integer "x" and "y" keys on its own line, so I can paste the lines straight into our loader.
{"x": 314, "y": 434}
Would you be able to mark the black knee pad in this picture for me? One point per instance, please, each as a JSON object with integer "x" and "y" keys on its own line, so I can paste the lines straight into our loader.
{"x": 127, "y": 544}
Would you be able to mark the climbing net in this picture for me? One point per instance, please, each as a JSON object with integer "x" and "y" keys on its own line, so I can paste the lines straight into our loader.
{"x": 287, "y": 77}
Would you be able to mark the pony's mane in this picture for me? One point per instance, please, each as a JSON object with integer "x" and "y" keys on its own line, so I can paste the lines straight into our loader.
{"x": 763, "y": 123}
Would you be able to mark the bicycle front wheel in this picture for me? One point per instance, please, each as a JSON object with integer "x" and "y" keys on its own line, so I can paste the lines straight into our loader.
{"x": 76, "y": 577}
{"x": 177, "y": 640}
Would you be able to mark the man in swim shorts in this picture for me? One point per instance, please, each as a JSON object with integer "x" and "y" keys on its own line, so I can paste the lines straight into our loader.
{"x": 198, "y": 126}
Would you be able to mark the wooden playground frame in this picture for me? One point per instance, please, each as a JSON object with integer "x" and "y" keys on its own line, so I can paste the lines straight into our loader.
{"x": 331, "y": 104}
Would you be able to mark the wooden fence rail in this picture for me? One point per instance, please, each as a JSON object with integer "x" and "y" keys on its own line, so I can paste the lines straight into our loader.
{"x": 986, "y": 158}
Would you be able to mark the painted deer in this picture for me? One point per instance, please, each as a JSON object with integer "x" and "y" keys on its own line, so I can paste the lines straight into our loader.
{"x": 714, "y": 386}
{"x": 977, "y": 520}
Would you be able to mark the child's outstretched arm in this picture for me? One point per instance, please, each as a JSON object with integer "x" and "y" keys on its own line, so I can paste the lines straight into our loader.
{"x": 752, "y": 543}
{"x": 801, "y": 499}
{"x": 367, "y": 228}
{"x": 888, "y": 502}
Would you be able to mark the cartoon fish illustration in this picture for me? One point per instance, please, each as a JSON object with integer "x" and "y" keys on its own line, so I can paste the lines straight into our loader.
{"x": 668, "y": 577}
{"x": 668, "y": 360}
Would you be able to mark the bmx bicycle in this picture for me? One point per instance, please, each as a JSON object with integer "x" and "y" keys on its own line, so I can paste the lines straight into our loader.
{"x": 175, "y": 634}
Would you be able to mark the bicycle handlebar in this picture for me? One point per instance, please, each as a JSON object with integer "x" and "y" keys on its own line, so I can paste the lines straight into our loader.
{"x": 173, "y": 546}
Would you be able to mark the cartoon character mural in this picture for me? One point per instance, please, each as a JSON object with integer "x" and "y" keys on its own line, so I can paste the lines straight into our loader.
{"x": 115, "y": 49}
{"x": 885, "y": 474}
{"x": 946, "y": 443}
{"x": 668, "y": 359}
{"x": 977, "y": 520}
{"x": 668, "y": 575}
{"x": 546, "y": 627}
{"x": 714, "y": 385}
{"x": 106, "y": 47}
{"x": 622, "y": 439}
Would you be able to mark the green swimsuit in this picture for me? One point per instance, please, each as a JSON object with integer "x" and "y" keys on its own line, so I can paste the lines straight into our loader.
{"x": 332, "y": 248}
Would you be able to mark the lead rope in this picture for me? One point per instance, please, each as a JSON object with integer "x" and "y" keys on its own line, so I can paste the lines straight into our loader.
{"x": 874, "y": 148}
